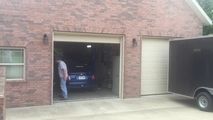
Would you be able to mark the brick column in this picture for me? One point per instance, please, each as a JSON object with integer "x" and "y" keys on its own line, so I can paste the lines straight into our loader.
{"x": 2, "y": 96}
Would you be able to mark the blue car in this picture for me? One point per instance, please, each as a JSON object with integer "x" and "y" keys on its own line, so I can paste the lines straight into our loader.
{"x": 81, "y": 77}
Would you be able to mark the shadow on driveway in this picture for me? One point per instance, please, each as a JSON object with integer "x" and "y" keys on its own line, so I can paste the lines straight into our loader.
{"x": 184, "y": 101}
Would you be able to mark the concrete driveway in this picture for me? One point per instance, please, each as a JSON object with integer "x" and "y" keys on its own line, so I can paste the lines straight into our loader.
{"x": 159, "y": 107}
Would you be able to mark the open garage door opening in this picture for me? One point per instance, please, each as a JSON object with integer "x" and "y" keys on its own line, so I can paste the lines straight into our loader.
{"x": 93, "y": 70}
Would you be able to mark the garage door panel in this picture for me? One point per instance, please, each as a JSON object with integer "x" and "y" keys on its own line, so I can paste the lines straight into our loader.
{"x": 155, "y": 90}
{"x": 156, "y": 78}
{"x": 159, "y": 86}
{"x": 150, "y": 65}
{"x": 155, "y": 61}
{"x": 153, "y": 82}
{"x": 155, "y": 58}
{"x": 90, "y": 38}
{"x": 155, "y": 71}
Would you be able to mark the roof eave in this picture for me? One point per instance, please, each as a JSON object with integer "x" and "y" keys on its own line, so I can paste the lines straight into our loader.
{"x": 199, "y": 12}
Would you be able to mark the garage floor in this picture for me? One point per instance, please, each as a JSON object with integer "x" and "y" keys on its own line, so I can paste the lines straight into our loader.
{"x": 161, "y": 107}
{"x": 78, "y": 95}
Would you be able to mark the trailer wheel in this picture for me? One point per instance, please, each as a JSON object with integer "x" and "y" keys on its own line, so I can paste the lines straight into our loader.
{"x": 204, "y": 101}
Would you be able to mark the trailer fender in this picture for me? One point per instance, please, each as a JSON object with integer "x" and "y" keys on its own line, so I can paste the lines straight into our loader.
{"x": 201, "y": 89}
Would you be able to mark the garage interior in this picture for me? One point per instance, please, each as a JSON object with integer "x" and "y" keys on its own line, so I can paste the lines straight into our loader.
{"x": 103, "y": 60}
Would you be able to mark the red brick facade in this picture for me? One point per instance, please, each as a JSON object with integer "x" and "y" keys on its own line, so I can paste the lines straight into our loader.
{"x": 24, "y": 22}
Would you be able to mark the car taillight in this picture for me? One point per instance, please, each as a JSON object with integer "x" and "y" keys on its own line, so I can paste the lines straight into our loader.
{"x": 93, "y": 77}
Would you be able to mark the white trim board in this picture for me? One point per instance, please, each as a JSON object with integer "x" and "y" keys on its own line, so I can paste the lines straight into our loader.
{"x": 199, "y": 12}
{"x": 86, "y": 38}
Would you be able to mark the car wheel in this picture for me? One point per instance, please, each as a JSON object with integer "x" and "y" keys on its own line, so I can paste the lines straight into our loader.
{"x": 204, "y": 101}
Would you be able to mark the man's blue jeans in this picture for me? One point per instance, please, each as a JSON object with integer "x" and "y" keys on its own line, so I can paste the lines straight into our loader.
{"x": 64, "y": 88}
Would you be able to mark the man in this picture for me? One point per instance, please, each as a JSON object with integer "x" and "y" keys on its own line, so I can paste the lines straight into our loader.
{"x": 63, "y": 75}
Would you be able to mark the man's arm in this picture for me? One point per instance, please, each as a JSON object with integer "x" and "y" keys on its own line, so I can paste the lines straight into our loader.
{"x": 65, "y": 75}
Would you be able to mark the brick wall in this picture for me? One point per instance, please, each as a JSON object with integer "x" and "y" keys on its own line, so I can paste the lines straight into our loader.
{"x": 2, "y": 97}
{"x": 23, "y": 23}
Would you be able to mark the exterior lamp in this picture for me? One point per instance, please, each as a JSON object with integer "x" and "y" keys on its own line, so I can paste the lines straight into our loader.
{"x": 134, "y": 42}
{"x": 45, "y": 39}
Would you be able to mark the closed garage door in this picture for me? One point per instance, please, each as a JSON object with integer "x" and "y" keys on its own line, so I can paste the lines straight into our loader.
{"x": 155, "y": 61}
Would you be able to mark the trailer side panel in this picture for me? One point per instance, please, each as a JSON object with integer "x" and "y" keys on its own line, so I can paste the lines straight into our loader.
{"x": 191, "y": 65}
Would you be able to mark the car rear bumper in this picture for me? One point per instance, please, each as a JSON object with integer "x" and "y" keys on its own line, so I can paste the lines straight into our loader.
{"x": 81, "y": 84}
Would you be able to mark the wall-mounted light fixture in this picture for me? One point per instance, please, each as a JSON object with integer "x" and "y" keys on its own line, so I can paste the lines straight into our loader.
{"x": 134, "y": 42}
{"x": 45, "y": 39}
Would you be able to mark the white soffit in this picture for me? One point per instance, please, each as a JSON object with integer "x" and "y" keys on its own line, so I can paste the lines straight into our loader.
{"x": 199, "y": 12}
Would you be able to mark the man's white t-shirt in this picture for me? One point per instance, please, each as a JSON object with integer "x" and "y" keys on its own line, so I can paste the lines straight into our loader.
{"x": 62, "y": 66}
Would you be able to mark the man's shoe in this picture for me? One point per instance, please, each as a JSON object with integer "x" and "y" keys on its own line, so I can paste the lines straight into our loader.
{"x": 62, "y": 98}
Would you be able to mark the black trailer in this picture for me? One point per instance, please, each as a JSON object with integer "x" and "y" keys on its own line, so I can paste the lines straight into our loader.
{"x": 191, "y": 69}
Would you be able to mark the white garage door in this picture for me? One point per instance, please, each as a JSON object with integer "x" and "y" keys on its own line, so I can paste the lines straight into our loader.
{"x": 155, "y": 61}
